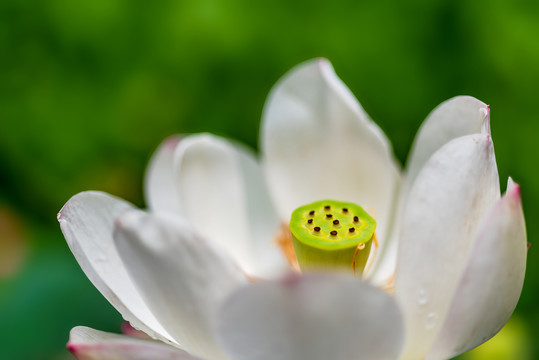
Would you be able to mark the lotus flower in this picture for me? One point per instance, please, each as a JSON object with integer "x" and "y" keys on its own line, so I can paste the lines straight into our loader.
{"x": 201, "y": 273}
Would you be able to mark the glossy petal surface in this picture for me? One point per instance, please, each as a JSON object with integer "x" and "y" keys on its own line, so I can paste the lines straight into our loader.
{"x": 311, "y": 317}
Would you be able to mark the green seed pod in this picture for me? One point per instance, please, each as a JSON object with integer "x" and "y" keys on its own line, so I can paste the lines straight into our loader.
{"x": 332, "y": 235}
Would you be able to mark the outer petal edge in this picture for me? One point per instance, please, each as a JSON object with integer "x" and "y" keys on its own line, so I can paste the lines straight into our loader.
{"x": 159, "y": 186}
{"x": 89, "y": 344}
{"x": 451, "y": 197}
{"x": 86, "y": 221}
{"x": 492, "y": 282}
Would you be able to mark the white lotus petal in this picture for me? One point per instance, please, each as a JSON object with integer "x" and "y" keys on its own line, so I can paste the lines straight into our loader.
{"x": 182, "y": 278}
{"x": 87, "y": 223}
{"x": 311, "y": 317}
{"x": 319, "y": 143}
{"x": 159, "y": 182}
{"x": 223, "y": 194}
{"x": 450, "y": 197}
{"x": 491, "y": 283}
{"x": 90, "y": 344}
{"x": 459, "y": 116}
{"x": 456, "y": 117}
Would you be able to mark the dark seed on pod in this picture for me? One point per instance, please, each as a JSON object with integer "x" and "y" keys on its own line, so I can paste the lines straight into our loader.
{"x": 351, "y": 230}
{"x": 310, "y": 221}
{"x": 333, "y": 233}
{"x": 344, "y": 210}
{"x": 356, "y": 219}
{"x": 311, "y": 212}
{"x": 329, "y": 216}
{"x": 335, "y": 222}
{"x": 317, "y": 228}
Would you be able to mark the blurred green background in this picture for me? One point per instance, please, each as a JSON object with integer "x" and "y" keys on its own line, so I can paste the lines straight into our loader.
{"x": 89, "y": 88}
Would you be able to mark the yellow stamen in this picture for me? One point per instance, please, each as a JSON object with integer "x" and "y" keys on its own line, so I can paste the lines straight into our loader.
{"x": 286, "y": 243}
{"x": 389, "y": 285}
{"x": 372, "y": 255}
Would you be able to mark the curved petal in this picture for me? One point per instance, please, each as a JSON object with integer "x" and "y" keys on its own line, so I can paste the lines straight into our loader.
{"x": 90, "y": 344}
{"x": 491, "y": 283}
{"x": 456, "y": 117}
{"x": 451, "y": 196}
{"x": 87, "y": 221}
{"x": 223, "y": 194}
{"x": 318, "y": 143}
{"x": 159, "y": 182}
{"x": 311, "y": 317}
{"x": 181, "y": 277}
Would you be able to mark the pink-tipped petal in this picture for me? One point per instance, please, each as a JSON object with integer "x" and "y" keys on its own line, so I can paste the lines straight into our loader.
{"x": 89, "y": 344}
{"x": 491, "y": 283}
{"x": 128, "y": 330}
{"x": 311, "y": 317}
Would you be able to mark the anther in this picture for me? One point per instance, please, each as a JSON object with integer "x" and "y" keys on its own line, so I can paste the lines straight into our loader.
{"x": 344, "y": 210}
{"x": 317, "y": 228}
{"x": 351, "y": 230}
{"x": 333, "y": 233}
{"x": 329, "y": 216}
{"x": 327, "y": 207}
{"x": 356, "y": 219}
{"x": 361, "y": 246}
{"x": 335, "y": 222}
{"x": 311, "y": 212}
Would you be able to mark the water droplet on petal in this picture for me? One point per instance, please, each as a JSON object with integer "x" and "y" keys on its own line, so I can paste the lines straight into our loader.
{"x": 431, "y": 320}
{"x": 422, "y": 297}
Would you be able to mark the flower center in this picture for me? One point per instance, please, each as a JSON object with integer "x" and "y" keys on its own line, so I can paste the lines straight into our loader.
{"x": 331, "y": 234}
